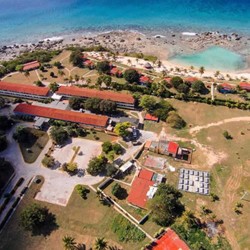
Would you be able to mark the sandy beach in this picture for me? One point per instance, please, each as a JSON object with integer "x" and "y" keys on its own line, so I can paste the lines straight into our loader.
{"x": 163, "y": 46}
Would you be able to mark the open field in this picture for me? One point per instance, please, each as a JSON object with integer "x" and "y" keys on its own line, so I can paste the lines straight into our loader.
{"x": 21, "y": 78}
{"x": 201, "y": 114}
{"x": 83, "y": 219}
{"x": 153, "y": 126}
{"x": 36, "y": 141}
{"x": 230, "y": 176}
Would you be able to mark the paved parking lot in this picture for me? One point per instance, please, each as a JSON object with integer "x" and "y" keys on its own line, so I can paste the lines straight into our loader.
{"x": 88, "y": 149}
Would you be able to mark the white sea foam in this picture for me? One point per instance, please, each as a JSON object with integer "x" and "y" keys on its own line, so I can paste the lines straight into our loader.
{"x": 189, "y": 33}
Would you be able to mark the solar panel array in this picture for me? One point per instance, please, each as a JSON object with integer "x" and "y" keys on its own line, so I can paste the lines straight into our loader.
{"x": 194, "y": 181}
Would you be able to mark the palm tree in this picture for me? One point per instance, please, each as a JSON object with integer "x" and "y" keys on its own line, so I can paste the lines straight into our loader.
{"x": 100, "y": 244}
{"x": 69, "y": 243}
{"x": 192, "y": 67}
{"x": 129, "y": 61}
{"x": 159, "y": 63}
{"x": 217, "y": 73}
{"x": 201, "y": 70}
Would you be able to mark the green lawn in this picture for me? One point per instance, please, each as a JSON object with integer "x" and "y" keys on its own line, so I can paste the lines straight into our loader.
{"x": 36, "y": 141}
{"x": 83, "y": 219}
{"x": 153, "y": 126}
{"x": 99, "y": 136}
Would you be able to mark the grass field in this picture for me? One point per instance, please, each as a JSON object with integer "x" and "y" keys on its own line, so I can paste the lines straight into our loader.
{"x": 99, "y": 136}
{"x": 21, "y": 78}
{"x": 153, "y": 126}
{"x": 230, "y": 175}
{"x": 36, "y": 141}
{"x": 200, "y": 114}
{"x": 83, "y": 219}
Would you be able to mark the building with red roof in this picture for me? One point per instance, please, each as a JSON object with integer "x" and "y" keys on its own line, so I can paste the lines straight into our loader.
{"x": 31, "y": 65}
{"x": 149, "y": 117}
{"x": 121, "y": 99}
{"x": 91, "y": 120}
{"x": 144, "y": 80}
{"x": 88, "y": 63}
{"x": 116, "y": 72}
{"x": 225, "y": 88}
{"x": 245, "y": 86}
{"x": 170, "y": 241}
{"x": 173, "y": 148}
{"x": 190, "y": 79}
{"x": 23, "y": 91}
{"x": 140, "y": 187}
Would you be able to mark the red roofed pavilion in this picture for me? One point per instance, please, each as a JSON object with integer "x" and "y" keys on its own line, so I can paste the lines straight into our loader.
{"x": 31, "y": 65}
{"x": 170, "y": 241}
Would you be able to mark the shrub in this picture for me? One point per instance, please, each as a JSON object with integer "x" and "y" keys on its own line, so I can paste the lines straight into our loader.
{"x": 227, "y": 135}
{"x": 82, "y": 191}
{"x": 126, "y": 231}
{"x": 175, "y": 121}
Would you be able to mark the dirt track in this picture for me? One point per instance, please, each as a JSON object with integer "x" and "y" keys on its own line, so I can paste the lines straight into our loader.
{"x": 235, "y": 119}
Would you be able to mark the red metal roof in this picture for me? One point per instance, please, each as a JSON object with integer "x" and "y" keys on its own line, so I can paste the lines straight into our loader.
{"x": 151, "y": 118}
{"x": 24, "y": 88}
{"x": 31, "y": 65}
{"x": 146, "y": 174}
{"x": 173, "y": 147}
{"x": 170, "y": 241}
{"x": 65, "y": 115}
{"x": 115, "y": 71}
{"x": 145, "y": 79}
{"x": 190, "y": 79}
{"x": 138, "y": 193}
{"x": 244, "y": 85}
{"x": 91, "y": 93}
{"x": 226, "y": 86}
{"x": 88, "y": 62}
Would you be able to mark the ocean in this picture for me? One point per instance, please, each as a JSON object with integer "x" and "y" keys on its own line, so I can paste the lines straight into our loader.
{"x": 32, "y": 20}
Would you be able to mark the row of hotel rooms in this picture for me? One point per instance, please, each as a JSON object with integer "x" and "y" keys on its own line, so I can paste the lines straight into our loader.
{"x": 42, "y": 93}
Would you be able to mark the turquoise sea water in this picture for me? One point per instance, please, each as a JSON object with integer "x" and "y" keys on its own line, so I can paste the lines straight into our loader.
{"x": 214, "y": 58}
{"x": 31, "y": 20}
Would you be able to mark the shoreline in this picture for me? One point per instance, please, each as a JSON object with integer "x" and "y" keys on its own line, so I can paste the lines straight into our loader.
{"x": 164, "y": 46}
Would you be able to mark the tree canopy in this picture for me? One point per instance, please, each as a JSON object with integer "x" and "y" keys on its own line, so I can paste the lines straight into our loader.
{"x": 21, "y": 134}
{"x": 175, "y": 120}
{"x": 103, "y": 67}
{"x": 199, "y": 87}
{"x": 34, "y": 217}
{"x": 75, "y": 102}
{"x": 121, "y": 129}
{"x": 131, "y": 75}
{"x": 3, "y": 143}
{"x": 176, "y": 81}
{"x": 2, "y": 102}
{"x": 53, "y": 87}
{"x": 59, "y": 135}
{"x": 97, "y": 165}
{"x": 166, "y": 205}
{"x": 76, "y": 58}
{"x": 5, "y": 122}
{"x": 148, "y": 103}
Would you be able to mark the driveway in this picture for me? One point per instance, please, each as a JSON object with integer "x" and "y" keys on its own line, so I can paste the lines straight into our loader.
{"x": 58, "y": 185}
